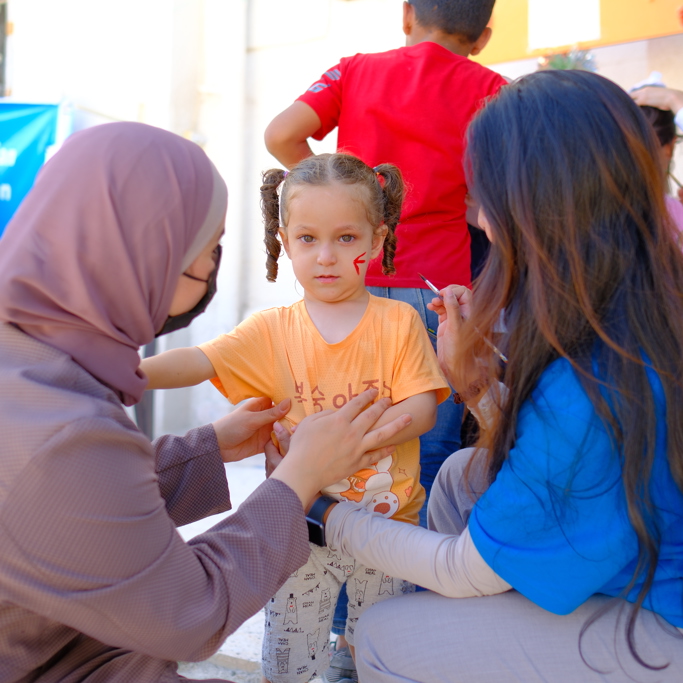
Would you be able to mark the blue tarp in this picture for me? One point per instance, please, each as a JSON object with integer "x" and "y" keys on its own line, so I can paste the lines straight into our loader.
{"x": 26, "y": 133}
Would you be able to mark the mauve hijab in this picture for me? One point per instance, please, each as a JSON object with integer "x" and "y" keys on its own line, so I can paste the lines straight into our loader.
{"x": 91, "y": 260}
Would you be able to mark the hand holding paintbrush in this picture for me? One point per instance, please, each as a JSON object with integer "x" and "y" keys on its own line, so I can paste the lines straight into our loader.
{"x": 463, "y": 299}
{"x": 468, "y": 378}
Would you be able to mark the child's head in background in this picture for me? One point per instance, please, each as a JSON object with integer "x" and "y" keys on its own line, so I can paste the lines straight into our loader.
{"x": 665, "y": 128}
{"x": 334, "y": 215}
{"x": 465, "y": 20}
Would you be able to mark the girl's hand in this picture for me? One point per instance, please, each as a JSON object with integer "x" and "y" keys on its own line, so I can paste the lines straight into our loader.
{"x": 274, "y": 454}
{"x": 454, "y": 306}
{"x": 331, "y": 445}
{"x": 246, "y": 430}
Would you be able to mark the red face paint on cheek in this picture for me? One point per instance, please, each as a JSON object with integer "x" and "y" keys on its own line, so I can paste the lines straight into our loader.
{"x": 359, "y": 259}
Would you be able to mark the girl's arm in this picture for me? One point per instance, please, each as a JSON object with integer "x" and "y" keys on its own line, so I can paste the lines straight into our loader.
{"x": 421, "y": 407}
{"x": 177, "y": 368}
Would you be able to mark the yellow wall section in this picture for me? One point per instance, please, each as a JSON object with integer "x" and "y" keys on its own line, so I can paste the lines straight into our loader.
{"x": 627, "y": 20}
{"x": 622, "y": 21}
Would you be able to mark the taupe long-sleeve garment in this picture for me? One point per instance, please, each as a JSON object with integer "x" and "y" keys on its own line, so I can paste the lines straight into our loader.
{"x": 95, "y": 582}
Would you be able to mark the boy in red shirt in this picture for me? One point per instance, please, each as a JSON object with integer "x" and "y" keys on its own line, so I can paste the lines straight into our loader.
{"x": 409, "y": 107}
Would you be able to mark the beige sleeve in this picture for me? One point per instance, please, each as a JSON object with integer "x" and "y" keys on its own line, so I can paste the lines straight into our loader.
{"x": 447, "y": 564}
{"x": 488, "y": 406}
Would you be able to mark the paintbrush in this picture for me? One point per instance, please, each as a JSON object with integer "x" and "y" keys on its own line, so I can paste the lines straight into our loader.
{"x": 675, "y": 179}
{"x": 490, "y": 344}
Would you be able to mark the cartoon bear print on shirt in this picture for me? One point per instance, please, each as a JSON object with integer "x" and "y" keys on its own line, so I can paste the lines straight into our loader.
{"x": 361, "y": 587}
{"x": 361, "y": 486}
{"x": 358, "y": 484}
{"x": 312, "y": 639}
{"x": 385, "y": 503}
{"x": 291, "y": 614}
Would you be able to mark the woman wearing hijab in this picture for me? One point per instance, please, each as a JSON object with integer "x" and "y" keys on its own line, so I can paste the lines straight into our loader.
{"x": 116, "y": 243}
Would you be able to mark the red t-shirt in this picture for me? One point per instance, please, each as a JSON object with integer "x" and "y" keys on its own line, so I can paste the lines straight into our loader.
{"x": 411, "y": 107}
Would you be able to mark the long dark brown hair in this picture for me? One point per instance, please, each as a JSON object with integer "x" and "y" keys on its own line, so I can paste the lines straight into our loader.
{"x": 383, "y": 198}
{"x": 585, "y": 268}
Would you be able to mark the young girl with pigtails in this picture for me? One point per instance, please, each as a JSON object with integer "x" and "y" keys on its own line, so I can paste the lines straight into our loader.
{"x": 333, "y": 214}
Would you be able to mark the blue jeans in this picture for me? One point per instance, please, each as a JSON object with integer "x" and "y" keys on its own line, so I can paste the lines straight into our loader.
{"x": 437, "y": 444}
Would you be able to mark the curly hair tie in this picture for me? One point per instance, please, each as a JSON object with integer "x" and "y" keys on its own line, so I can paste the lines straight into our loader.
{"x": 379, "y": 176}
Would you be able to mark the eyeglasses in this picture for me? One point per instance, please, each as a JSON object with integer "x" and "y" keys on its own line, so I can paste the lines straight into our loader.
{"x": 216, "y": 255}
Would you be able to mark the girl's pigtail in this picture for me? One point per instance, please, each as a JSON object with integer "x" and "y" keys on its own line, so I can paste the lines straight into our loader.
{"x": 270, "y": 208}
{"x": 393, "y": 190}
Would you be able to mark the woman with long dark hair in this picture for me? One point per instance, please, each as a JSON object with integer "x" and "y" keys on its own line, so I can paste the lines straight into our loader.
{"x": 568, "y": 515}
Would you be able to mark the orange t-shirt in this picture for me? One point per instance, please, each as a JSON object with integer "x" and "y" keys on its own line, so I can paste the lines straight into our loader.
{"x": 279, "y": 353}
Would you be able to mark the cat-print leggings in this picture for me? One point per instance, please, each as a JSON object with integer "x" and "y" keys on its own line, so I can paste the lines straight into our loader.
{"x": 298, "y": 619}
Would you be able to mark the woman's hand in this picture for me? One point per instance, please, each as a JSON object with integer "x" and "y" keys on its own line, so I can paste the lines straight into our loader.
{"x": 274, "y": 454}
{"x": 331, "y": 445}
{"x": 246, "y": 430}
{"x": 454, "y": 306}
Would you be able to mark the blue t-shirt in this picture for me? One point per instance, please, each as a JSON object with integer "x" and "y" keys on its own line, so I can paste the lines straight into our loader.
{"x": 554, "y": 524}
